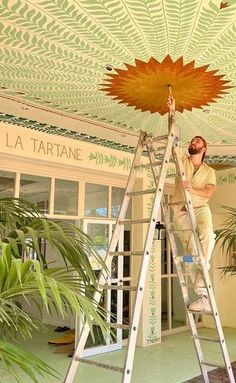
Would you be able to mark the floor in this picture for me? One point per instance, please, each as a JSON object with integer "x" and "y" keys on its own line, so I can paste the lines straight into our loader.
{"x": 172, "y": 361}
{"x": 218, "y": 375}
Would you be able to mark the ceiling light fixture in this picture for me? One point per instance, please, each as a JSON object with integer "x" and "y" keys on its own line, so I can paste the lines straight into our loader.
{"x": 109, "y": 67}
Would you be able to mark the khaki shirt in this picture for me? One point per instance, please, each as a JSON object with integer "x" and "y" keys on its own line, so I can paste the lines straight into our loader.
{"x": 205, "y": 175}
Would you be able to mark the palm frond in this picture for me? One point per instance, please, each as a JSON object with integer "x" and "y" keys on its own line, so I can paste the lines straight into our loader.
{"x": 228, "y": 271}
{"x": 23, "y": 226}
{"x": 59, "y": 289}
{"x": 12, "y": 358}
{"x": 27, "y": 277}
{"x": 226, "y": 235}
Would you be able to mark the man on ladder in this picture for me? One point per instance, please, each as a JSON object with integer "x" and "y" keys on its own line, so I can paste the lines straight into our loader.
{"x": 168, "y": 147}
{"x": 201, "y": 183}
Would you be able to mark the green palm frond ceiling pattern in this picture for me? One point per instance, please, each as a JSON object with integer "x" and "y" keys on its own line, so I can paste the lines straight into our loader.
{"x": 58, "y": 53}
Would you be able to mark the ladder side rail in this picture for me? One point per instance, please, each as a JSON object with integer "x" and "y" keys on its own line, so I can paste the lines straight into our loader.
{"x": 184, "y": 290}
{"x": 129, "y": 187}
{"x": 205, "y": 273}
{"x": 145, "y": 263}
{"x": 193, "y": 223}
{"x": 70, "y": 376}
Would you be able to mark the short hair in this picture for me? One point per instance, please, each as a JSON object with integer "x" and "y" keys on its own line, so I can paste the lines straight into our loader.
{"x": 204, "y": 145}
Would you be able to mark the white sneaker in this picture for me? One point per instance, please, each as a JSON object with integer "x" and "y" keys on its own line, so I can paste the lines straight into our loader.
{"x": 200, "y": 304}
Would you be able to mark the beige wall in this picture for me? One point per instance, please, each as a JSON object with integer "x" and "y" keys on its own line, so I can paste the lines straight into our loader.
{"x": 225, "y": 290}
{"x": 32, "y": 152}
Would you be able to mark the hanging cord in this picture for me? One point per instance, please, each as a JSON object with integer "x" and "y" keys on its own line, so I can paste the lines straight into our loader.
{"x": 171, "y": 117}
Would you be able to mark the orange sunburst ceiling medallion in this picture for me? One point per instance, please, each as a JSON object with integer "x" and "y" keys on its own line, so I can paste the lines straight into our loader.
{"x": 145, "y": 85}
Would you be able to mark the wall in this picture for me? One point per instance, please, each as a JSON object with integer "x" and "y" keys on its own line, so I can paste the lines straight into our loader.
{"x": 33, "y": 152}
{"x": 225, "y": 289}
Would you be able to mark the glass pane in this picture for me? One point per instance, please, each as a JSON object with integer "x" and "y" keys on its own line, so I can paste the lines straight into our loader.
{"x": 178, "y": 309}
{"x": 96, "y": 200}
{"x": 117, "y": 196}
{"x": 36, "y": 189}
{"x": 99, "y": 233}
{"x": 7, "y": 182}
{"x": 164, "y": 304}
{"x": 126, "y": 310}
{"x": 66, "y": 197}
{"x": 126, "y": 269}
{"x": 164, "y": 257}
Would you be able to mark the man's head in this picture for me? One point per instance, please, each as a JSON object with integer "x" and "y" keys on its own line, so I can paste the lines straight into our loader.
{"x": 198, "y": 145}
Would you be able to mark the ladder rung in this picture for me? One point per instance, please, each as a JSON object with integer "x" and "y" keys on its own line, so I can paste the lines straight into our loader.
{"x": 176, "y": 230}
{"x": 142, "y": 192}
{"x": 200, "y": 312}
{"x": 134, "y": 221}
{"x": 118, "y": 325}
{"x": 174, "y": 203}
{"x": 216, "y": 340}
{"x": 160, "y": 138}
{"x": 158, "y": 149}
{"x": 213, "y": 364}
{"x": 115, "y": 287}
{"x": 187, "y": 258}
{"x": 125, "y": 253}
{"x": 99, "y": 364}
{"x": 187, "y": 285}
{"x": 148, "y": 165}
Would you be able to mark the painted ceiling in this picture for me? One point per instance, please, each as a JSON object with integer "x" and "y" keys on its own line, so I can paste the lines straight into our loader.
{"x": 62, "y": 62}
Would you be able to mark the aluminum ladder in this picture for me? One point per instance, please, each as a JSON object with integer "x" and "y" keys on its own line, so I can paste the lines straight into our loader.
{"x": 161, "y": 151}
{"x": 199, "y": 259}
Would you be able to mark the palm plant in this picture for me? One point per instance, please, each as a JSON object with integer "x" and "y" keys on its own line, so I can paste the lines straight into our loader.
{"x": 227, "y": 236}
{"x": 64, "y": 290}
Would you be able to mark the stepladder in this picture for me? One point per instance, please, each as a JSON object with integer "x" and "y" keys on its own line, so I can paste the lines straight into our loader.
{"x": 155, "y": 155}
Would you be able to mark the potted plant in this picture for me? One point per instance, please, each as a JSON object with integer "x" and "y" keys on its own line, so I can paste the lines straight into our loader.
{"x": 226, "y": 235}
{"x": 26, "y": 275}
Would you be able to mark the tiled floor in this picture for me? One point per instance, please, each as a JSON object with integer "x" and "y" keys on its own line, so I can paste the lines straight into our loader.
{"x": 216, "y": 376}
{"x": 172, "y": 361}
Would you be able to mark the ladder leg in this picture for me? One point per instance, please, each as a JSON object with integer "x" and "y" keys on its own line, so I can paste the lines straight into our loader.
{"x": 200, "y": 258}
{"x": 70, "y": 375}
{"x": 184, "y": 290}
{"x": 146, "y": 143}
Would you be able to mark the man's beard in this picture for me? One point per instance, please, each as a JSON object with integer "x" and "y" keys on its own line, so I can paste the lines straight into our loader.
{"x": 192, "y": 150}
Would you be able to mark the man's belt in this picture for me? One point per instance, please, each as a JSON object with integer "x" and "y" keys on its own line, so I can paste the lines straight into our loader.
{"x": 183, "y": 208}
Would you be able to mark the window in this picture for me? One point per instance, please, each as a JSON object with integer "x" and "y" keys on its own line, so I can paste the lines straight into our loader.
{"x": 66, "y": 197}
{"x": 7, "y": 183}
{"x": 117, "y": 196}
{"x": 96, "y": 200}
{"x": 36, "y": 189}
{"x": 233, "y": 255}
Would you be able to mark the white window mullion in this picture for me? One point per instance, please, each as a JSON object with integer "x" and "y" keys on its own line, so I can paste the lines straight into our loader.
{"x": 109, "y": 202}
{"x": 81, "y": 199}
{"x": 17, "y": 185}
{"x": 52, "y": 196}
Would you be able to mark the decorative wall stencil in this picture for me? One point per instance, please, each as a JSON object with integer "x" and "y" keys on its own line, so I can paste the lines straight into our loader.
{"x": 145, "y": 85}
{"x": 55, "y": 53}
{"x": 111, "y": 160}
{"x": 54, "y": 130}
{"x": 152, "y": 336}
{"x": 226, "y": 179}
{"x": 51, "y": 129}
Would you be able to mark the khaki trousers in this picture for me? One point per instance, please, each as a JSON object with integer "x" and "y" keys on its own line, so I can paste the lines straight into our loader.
{"x": 207, "y": 238}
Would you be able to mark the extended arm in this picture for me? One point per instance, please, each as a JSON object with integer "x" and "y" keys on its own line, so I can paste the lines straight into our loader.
{"x": 206, "y": 192}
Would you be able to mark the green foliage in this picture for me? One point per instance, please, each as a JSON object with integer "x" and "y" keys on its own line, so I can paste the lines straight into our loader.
{"x": 23, "y": 227}
{"x": 227, "y": 233}
{"x": 27, "y": 277}
{"x": 11, "y": 355}
{"x": 227, "y": 238}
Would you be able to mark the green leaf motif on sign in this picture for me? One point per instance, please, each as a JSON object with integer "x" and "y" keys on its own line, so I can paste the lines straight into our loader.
{"x": 111, "y": 161}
